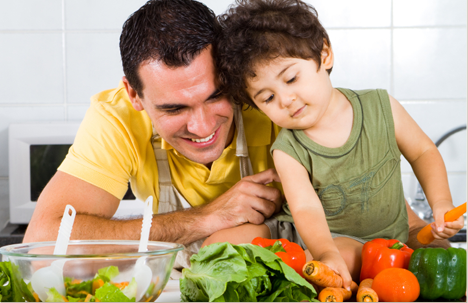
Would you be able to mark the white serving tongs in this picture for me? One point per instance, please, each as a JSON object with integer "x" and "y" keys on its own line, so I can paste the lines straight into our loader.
{"x": 52, "y": 276}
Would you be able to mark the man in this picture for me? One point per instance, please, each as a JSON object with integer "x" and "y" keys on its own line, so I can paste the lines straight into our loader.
{"x": 168, "y": 130}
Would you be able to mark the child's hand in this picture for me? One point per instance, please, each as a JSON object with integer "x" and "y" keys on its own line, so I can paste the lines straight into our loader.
{"x": 440, "y": 228}
{"x": 337, "y": 264}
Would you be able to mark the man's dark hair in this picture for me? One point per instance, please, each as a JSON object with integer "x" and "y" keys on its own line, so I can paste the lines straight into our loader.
{"x": 256, "y": 31}
{"x": 172, "y": 31}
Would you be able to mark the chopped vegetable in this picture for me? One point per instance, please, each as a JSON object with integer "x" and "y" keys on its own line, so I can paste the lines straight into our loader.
{"x": 111, "y": 293}
{"x": 291, "y": 253}
{"x": 12, "y": 288}
{"x": 441, "y": 272}
{"x": 366, "y": 293}
{"x": 322, "y": 275}
{"x": 396, "y": 285}
{"x": 425, "y": 235}
{"x": 380, "y": 254}
{"x": 224, "y": 272}
{"x": 101, "y": 288}
{"x": 54, "y": 296}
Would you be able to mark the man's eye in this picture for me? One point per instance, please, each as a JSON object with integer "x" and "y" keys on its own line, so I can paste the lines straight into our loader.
{"x": 268, "y": 100}
{"x": 292, "y": 80}
{"x": 173, "y": 111}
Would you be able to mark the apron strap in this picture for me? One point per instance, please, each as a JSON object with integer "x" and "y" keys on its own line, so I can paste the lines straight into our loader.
{"x": 242, "y": 150}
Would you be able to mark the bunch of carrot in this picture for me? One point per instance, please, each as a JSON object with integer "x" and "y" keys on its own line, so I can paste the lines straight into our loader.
{"x": 330, "y": 284}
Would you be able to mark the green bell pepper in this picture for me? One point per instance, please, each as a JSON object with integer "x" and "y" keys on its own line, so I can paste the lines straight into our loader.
{"x": 441, "y": 272}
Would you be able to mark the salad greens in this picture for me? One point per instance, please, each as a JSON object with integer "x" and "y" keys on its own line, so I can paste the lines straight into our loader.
{"x": 10, "y": 289}
{"x": 223, "y": 272}
{"x": 100, "y": 288}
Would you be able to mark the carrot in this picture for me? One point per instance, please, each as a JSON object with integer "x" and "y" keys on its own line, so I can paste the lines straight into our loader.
{"x": 365, "y": 293}
{"x": 96, "y": 284}
{"x": 321, "y": 275}
{"x": 121, "y": 285}
{"x": 88, "y": 298}
{"x": 334, "y": 294}
{"x": 425, "y": 235}
{"x": 36, "y": 297}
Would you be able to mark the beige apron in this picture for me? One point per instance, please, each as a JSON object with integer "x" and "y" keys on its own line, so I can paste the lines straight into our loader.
{"x": 171, "y": 200}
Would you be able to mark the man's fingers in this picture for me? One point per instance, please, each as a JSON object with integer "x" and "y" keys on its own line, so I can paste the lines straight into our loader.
{"x": 262, "y": 191}
{"x": 264, "y": 177}
{"x": 265, "y": 207}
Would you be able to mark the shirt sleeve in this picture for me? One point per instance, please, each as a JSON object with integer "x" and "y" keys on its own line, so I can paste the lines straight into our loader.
{"x": 102, "y": 152}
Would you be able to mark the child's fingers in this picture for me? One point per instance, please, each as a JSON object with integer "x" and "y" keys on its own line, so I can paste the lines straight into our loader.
{"x": 446, "y": 233}
{"x": 457, "y": 224}
{"x": 346, "y": 276}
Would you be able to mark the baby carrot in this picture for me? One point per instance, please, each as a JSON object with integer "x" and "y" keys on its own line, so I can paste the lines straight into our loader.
{"x": 425, "y": 235}
{"x": 322, "y": 275}
{"x": 334, "y": 294}
{"x": 365, "y": 293}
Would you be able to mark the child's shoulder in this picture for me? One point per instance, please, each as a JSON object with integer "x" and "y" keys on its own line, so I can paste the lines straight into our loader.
{"x": 365, "y": 94}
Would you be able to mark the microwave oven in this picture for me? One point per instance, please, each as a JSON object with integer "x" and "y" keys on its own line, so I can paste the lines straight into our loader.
{"x": 36, "y": 149}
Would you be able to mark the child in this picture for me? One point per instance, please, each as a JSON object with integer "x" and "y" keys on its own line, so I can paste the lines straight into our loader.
{"x": 338, "y": 153}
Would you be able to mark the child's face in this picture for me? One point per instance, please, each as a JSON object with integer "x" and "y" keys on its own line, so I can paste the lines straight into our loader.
{"x": 292, "y": 92}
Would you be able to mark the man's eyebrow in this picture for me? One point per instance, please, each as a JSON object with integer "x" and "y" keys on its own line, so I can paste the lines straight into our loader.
{"x": 277, "y": 76}
{"x": 177, "y": 105}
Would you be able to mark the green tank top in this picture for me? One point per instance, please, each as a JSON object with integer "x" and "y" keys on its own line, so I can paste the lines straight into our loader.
{"x": 359, "y": 183}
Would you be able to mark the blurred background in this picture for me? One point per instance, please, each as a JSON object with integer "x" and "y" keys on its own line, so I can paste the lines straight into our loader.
{"x": 55, "y": 54}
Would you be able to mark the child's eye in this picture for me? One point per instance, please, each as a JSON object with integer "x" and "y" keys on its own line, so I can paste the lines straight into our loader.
{"x": 268, "y": 100}
{"x": 292, "y": 80}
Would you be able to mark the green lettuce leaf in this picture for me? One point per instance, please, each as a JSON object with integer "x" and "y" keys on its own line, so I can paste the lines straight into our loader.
{"x": 111, "y": 293}
{"x": 54, "y": 296}
{"x": 130, "y": 291}
{"x": 223, "y": 272}
{"x": 107, "y": 273}
{"x": 12, "y": 286}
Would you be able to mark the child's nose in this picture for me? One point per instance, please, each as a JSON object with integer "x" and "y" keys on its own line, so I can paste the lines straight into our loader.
{"x": 288, "y": 100}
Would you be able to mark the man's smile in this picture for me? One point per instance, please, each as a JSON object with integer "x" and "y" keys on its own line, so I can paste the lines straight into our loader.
{"x": 203, "y": 139}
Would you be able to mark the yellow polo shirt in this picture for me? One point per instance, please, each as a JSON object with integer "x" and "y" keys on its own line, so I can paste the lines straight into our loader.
{"x": 113, "y": 146}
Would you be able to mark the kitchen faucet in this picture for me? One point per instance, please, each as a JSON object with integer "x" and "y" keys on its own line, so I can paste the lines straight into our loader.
{"x": 419, "y": 204}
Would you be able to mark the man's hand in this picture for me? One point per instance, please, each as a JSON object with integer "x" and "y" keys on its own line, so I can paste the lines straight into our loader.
{"x": 250, "y": 200}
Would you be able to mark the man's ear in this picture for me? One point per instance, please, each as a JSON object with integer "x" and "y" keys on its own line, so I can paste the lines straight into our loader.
{"x": 133, "y": 95}
{"x": 327, "y": 56}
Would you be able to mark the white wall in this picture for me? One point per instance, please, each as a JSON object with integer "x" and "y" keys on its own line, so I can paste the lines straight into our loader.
{"x": 55, "y": 54}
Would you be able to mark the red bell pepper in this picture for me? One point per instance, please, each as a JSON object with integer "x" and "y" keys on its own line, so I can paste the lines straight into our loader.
{"x": 291, "y": 253}
{"x": 380, "y": 254}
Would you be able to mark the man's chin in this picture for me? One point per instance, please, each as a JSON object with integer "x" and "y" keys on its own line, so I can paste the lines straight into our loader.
{"x": 205, "y": 158}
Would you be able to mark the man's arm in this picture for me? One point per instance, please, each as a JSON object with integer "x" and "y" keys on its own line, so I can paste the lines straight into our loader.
{"x": 250, "y": 200}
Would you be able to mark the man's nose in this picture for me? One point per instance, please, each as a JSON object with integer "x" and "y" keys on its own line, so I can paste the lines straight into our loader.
{"x": 201, "y": 122}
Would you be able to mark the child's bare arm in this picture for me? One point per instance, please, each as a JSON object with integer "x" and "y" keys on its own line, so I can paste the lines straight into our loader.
{"x": 308, "y": 213}
{"x": 428, "y": 166}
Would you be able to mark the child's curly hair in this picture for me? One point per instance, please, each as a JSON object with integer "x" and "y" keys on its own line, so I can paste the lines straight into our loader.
{"x": 256, "y": 31}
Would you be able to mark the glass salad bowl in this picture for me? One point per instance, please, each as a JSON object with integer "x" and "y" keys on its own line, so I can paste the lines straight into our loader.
{"x": 92, "y": 270}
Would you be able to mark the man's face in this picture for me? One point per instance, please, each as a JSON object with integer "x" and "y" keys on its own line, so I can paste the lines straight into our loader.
{"x": 185, "y": 107}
